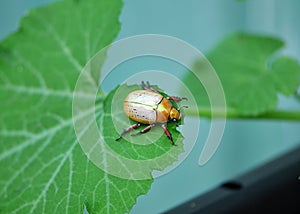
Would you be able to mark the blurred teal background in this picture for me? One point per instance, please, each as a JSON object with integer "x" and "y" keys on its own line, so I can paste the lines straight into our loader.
{"x": 246, "y": 144}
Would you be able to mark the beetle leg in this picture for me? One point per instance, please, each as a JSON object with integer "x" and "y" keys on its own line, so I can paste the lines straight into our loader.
{"x": 130, "y": 128}
{"x": 152, "y": 88}
{"x": 168, "y": 133}
{"x": 181, "y": 107}
{"x": 144, "y": 86}
{"x": 148, "y": 128}
{"x": 176, "y": 99}
{"x": 148, "y": 87}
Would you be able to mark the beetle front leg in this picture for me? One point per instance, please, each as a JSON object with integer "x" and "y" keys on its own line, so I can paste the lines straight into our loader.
{"x": 130, "y": 128}
{"x": 168, "y": 133}
{"x": 148, "y": 128}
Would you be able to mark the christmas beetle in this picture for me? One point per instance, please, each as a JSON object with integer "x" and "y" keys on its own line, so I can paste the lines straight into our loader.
{"x": 152, "y": 108}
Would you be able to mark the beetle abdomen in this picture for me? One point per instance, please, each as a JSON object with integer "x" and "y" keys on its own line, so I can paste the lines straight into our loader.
{"x": 139, "y": 112}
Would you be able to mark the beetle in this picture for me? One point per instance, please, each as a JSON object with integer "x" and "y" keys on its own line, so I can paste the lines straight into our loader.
{"x": 150, "y": 107}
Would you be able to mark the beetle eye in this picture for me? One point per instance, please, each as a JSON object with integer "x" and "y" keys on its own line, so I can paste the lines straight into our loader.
{"x": 173, "y": 119}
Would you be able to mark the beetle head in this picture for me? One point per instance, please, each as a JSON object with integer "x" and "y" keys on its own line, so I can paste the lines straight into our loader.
{"x": 175, "y": 114}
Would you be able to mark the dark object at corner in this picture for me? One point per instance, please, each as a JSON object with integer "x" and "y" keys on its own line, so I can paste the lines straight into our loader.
{"x": 271, "y": 188}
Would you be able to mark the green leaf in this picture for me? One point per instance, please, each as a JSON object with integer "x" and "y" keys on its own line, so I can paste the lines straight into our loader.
{"x": 251, "y": 75}
{"x": 43, "y": 168}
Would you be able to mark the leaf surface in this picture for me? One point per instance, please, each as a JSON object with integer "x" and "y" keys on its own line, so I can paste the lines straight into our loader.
{"x": 252, "y": 75}
{"x": 43, "y": 168}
